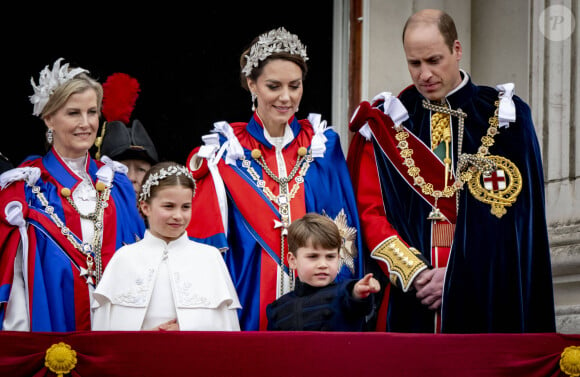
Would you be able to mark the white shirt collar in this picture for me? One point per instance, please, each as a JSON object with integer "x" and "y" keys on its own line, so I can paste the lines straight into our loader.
{"x": 461, "y": 84}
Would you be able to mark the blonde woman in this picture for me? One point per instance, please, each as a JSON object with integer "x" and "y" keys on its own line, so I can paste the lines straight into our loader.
{"x": 63, "y": 215}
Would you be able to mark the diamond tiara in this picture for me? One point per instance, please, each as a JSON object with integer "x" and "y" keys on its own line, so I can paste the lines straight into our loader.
{"x": 277, "y": 40}
{"x": 48, "y": 81}
{"x": 155, "y": 178}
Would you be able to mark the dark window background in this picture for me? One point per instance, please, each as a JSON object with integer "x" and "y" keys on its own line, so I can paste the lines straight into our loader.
{"x": 186, "y": 61}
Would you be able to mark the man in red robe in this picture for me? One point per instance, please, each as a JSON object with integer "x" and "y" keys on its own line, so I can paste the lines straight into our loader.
{"x": 449, "y": 185}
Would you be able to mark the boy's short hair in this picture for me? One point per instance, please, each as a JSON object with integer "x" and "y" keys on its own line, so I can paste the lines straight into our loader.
{"x": 315, "y": 230}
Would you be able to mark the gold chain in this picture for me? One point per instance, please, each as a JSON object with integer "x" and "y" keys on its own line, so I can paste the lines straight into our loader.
{"x": 467, "y": 163}
{"x": 407, "y": 153}
{"x": 284, "y": 197}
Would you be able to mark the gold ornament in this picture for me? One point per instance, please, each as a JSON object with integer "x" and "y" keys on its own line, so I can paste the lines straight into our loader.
{"x": 302, "y": 151}
{"x": 570, "y": 361}
{"x": 60, "y": 359}
{"x": 439, "y": 129}
{"x": 504, "y": 190}
{"x": 100, "y": 186}
{"x": 472, "y": 167}
{"x": 256, "y": 154}
{"x": 65, "y": 192}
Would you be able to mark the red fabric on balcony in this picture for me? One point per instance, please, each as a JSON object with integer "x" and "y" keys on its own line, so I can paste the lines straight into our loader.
{"x": 282, "y": 354}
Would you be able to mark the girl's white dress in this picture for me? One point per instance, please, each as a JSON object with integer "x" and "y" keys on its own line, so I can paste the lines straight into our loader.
{"x": 151, "y": 282}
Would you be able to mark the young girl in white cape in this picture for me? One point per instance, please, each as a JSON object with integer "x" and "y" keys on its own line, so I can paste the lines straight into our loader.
{"x": 166, "y": 281}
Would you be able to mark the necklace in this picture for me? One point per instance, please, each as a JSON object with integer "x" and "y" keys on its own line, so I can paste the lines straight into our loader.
{"x": 414, "y": 171}
{"x": 468, "y": 164}
{"x": 285, "y": 193}
{"x": 91, "y": 250}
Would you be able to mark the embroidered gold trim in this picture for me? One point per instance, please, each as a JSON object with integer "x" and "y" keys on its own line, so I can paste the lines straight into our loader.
{"x": 402, "y": 262}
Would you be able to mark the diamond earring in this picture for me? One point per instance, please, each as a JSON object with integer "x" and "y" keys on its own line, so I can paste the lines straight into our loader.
{"x": 49, "y": 136}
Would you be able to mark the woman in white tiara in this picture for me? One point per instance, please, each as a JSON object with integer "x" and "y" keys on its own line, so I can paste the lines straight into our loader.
{"x": 166, "y": 281}
{"x": 255, "y": 178}
{"x": 62, "y": 215}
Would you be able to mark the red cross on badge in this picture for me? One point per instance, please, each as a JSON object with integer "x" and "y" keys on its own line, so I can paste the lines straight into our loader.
{"x": 495, "y": 181}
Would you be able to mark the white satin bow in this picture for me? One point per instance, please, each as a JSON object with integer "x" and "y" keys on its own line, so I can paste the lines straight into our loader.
{"x": 393, "y": 107}
{"x": 106, "y": 173}
{"x": 234, "y": 148}
{"x": 507, "y": 108}
{"x": 28, "y": 174}
{"x": 318, "y": 144}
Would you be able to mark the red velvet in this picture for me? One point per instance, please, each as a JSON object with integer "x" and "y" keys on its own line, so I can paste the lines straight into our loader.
{"x": 282, "y": 354}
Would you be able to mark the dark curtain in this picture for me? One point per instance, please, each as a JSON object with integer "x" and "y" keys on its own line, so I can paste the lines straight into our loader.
{"x": 186, "y": 59}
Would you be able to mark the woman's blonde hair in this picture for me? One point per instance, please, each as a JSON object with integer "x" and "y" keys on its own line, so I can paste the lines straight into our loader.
{"x": 78, "y": 84}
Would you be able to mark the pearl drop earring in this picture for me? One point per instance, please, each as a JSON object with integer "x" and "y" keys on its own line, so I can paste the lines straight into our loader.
{"x": 254, "y": 96}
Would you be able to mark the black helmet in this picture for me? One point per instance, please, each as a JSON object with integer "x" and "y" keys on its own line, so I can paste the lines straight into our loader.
{"x": 128, "y": 143}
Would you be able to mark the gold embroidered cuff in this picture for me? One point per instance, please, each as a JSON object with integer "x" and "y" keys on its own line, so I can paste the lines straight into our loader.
{"x": 403, "y": 263}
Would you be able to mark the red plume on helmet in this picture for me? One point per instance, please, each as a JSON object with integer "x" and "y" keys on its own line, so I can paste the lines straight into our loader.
{"x": 120, "y": 92}
{"x": 119, "y": 141}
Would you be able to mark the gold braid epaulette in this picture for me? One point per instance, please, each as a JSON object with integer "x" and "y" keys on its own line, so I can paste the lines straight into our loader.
{"x": 404, "y": 263}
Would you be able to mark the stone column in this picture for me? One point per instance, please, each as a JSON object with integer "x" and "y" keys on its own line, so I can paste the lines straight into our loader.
{"x": 555, "y": 106}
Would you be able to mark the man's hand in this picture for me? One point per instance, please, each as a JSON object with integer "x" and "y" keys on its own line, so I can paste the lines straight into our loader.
{"x": 429, "y": 287}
